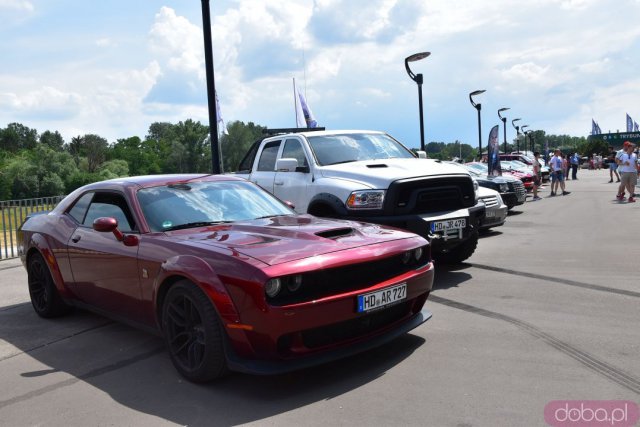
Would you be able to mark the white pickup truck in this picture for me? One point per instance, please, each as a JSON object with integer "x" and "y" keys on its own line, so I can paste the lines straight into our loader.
{"x": 369, "y": 176}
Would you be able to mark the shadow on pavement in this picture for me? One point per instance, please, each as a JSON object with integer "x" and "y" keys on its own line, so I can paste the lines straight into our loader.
{"x": 450, "y": 276}
{"x": 133, "y": 368}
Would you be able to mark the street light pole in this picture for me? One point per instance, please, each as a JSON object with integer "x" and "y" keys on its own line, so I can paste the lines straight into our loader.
{"x": 418, "y": 79}
{"x": 525, "y": 137}
{"x": 504, "y": 125}
{"x": 517, "y": 128}
{"x": 478, "y": 107}
{"x": 211, "y": 88}
{"x": 527, "y": 134}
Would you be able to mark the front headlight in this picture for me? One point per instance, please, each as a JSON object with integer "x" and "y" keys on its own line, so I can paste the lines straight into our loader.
{"x": 504, "y": 187}
{"x": 366, "y": 199}
{"x": 475, "y": 187}
{"x": 272, "y": 287}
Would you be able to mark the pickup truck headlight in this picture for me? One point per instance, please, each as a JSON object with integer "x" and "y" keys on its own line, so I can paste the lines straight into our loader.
{"x": 366, "y": 199}
{"x": 504, "y": 187}
{"x": 475, "y": 188}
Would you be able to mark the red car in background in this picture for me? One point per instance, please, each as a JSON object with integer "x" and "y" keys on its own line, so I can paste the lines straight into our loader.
{"x": 232, "y": 277}
{"x": 517, "y": 171}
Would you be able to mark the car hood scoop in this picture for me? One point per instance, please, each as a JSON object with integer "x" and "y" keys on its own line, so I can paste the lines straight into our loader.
{"x": 335, "y": 233}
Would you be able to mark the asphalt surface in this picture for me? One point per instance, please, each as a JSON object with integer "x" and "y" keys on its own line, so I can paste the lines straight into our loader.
{"x": 548, "y": 308}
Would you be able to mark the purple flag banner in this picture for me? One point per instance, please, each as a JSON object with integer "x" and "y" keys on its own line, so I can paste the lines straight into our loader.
{"x": 594, "y": 127}
{"x": 599, "y": 131}
{"x": 635, "y": 127}
{"x": 629, "y": 124}
{"x": 493, "y": 153}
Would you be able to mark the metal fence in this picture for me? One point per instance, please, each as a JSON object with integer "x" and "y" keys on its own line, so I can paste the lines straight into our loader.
{"x": 13, "y": 214}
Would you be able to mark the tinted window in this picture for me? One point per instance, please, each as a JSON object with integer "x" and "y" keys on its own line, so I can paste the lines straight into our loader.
{"x": 79, "y": 209}
{"x": 268, "y": 157}
{"x": 247, "y": 162}
{"x": 293, "y": 150}
{"x": 110, "y": 205}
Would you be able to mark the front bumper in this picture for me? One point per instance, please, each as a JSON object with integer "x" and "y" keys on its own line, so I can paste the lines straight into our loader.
{"x": 421, "y": 225}
{"x": 275, "y": 367}
{"x": 494, "y": 217}
{"x": 296, "y": 336}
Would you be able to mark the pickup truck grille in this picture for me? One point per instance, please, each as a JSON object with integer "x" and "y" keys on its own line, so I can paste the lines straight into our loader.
{"x": 428, "y": 195}
{"x": 518, "y": 188}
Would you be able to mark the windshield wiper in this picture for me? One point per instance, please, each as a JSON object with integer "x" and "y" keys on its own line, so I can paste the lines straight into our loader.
{"x": 194, "y": 224}
{"x": 344, "y": 161}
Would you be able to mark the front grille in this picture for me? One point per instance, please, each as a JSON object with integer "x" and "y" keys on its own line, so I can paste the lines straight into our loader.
{"x": 332, "y": 281}
{"x": 518, "y": 188}
{"x": 490, "y": 201}
{"x": 354, "y": 328}
{"x": 419, "y": 196}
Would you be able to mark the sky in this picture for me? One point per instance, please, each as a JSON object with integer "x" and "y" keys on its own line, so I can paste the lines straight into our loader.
{"x": 114, "y": 67}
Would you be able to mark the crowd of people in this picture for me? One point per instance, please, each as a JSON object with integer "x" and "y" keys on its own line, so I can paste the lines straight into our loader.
{"x": 623, "y": 165}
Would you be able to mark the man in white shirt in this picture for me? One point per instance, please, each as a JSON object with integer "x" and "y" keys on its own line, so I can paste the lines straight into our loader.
{"x": 557, "y": 173}
{"x": 627, "y": 165}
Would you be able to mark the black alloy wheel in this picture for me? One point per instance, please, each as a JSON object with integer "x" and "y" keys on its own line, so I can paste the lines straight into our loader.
{"x": 193, "y": 333}
{"x": 43, "y": 293}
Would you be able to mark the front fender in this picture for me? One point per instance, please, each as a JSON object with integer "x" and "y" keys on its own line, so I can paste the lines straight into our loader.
{"x": 38, "y": 242}
{"x": 202, "y": 275}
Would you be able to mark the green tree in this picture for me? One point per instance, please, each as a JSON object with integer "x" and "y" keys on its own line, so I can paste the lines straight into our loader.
{"x": 116, "y": 168}
{"x": 235, "y": 144}
{"x": 16, "y": 137}
{"x": 52, "y": 140}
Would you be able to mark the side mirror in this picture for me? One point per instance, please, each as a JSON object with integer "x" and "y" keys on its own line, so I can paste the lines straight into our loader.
{"x": 290, "y": 204}
{"x": 286, "y": 165}
{"x": 421, "y": 154}
{"x": 110, "y": 225}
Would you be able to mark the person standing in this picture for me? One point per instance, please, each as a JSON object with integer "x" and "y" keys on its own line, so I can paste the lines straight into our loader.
{"x": 557, "y": 174}
{"x": 613, "y": 166}
{"x": 628, "y": 172}
{"x": 536, "y": 175}
{"x": 575, "y": 162}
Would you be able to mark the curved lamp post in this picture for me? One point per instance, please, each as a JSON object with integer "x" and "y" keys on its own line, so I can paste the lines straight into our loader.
{"x": 527, "y": 133}
{"x": 525, "y": 137}
{"x": 516, "y": 127}
{"x": 418, "y": 79}
{"x": 504, "y": 125}
{"x": 478, "y": 107}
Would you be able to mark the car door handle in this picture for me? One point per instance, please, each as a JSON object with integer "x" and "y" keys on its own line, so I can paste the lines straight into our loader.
{"x": 279, "y": 183}
{"x": 75, "y": 239}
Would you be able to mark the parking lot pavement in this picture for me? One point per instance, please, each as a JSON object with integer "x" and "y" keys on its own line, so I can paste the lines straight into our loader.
{"x": 546, "y": 309}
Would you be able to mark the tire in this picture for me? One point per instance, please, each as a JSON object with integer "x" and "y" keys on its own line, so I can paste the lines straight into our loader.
{"x": 44, "y": 296}
{"x": 193, "y": 333}
{"x": 461, "y": 252}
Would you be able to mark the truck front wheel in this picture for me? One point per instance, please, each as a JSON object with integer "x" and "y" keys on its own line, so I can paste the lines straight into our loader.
{"x": 459, "y": 253}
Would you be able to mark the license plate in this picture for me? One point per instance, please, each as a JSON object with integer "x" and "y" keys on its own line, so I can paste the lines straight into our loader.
{"x": 490, "y": 214}
{"x": 449, "y": 224}
{"x": 381, "y": 298}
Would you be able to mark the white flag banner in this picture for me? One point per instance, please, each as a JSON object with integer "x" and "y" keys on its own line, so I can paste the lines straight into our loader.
{"x": 304, "y": 115}
{"x": 219, "y": 116}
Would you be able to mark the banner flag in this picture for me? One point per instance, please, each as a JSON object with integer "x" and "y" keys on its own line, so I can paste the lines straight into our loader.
{"x": 493, "y": 153}
{"x": 629, "y": 123}
{"x": 598, "y": 128}
{"x": 304, "y": 115}
{"x": 594, "y": 127}
{"x": 221, "y": 126}
{"x": 636, "y": 128}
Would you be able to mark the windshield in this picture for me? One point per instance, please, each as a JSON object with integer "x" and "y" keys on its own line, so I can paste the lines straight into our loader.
{"x": 479, "y": 167}
{"x": 519, "y": 164}
{"x": 196, "y": 204}
{"x": 352, "y": 147}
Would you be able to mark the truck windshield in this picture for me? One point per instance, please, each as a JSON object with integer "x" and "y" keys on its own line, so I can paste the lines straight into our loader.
{"x": 352, "y": 147}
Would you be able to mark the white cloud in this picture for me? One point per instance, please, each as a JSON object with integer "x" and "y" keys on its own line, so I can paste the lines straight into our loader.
{"x": 43, "y": 102}
{"x": 104, "y": 42}
{"x": 21, "y": 5}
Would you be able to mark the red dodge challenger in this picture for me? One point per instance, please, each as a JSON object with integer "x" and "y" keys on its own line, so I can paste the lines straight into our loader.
{"x": 230, "y": 276}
